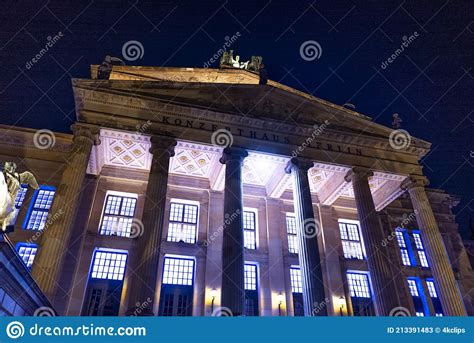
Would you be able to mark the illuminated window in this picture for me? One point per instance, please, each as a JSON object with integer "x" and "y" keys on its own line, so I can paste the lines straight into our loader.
{"x": 27, "y": 253}
{"x": 250, "y": 277}
{"x": 108, "y": 264}
{"x": 250, "y": 229}
{"x": 20, "y": 196}
{"x": 358, "y": 285}
{"x": 420, "y": 249}
{"x": 183, "y": 222}
{"x": 419, "y": 300}
{"x": 438, "y": 309}
{"x": 118, "y": 215}
{"x": 38, "y": 211}
{"x": 351, "y": 240}
{"x": 178, "y": 271}
{"x": 291, "y": 230}
{"x": 405, "y": 248}
{"x": 295, "y": 277}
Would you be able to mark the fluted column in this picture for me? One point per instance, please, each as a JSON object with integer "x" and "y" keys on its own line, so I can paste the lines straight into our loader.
{"x": 56, "y": 234}
{"x": 146, "y": 274}
{"x": 385, "y": 291}
{"x": 438, "y": 259}
{"x": 308, "y": 228}
{"x": 233, "y": 291}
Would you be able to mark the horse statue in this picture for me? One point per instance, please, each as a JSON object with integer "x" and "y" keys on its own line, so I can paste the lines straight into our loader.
{"x": 10, "y": 183}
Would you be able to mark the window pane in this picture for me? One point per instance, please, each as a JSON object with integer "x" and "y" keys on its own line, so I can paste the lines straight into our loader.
{"x": 118, "y": 215}
{"x": 178, "y": 271}
{"x": 183, "y": 223}
{"x": 358, "y": 285}
{"x": 108, "y": 265}
{"x": 413, "y": 288}
{"x": 20, "y": 197}
{"x": 295, "y": 277}
{"x": 250, "y": 277}
{"x": 431, "y": 289}
{"x": 250, "y": 234}
{"x": 27, "y": 253}
{"x": 292, "y": 237}
{"x": 39, "y": 211}
{"x": 351, "y": 241}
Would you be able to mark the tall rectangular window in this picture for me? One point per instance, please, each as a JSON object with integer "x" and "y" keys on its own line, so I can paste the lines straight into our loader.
{"x": 351, "y": 240}
{"x": 183, "y": 222}
{"x": 418, "y": 297}
{"x": 118, "y": 213}
{"x": 430, "y": 284}
{"x": 359, "y": 290}
{"x": 297, "y": 291}
{"x": 20, "y": 197}
{"x": 251, "y": 289}
{"x": 405, "y": 247}
{"x": 291, "y": 230}
{"x": 108, "y": 264}
{"x": 38, "y": 211}
{"x": 178, "y": 271}
{"x": 250, "y": 229}
{"x": 420, "y": 249}
{"x": 27, "y": 252}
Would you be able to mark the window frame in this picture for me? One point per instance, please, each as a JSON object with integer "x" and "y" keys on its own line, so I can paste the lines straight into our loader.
{"x": 407, "y": 248}
{"x": 369, "y": 285}
{"x": 420, "y": 251}
{"x": 122, "y": 195}
{"x": 20, "y": 245}
{"x": 255, "y": 231}
{"x": 182, "y": 222}
{"x": 33, "y": 208}
{"x": 348, "y": 240}
{"x": 291, "y": 249}
{"x": 179, "y": 257}
{"x": 112, "y": 251}
{"x": 296, "y": 284}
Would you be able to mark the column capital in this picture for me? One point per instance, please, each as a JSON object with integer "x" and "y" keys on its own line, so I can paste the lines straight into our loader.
{"x": 162, "y": 144}
{"x": 358, "y": 173}
{"x": 299, "y": 163}
{"x": 414, "y": 181}
{"x": 90, "y": 132}
{"x": 233, "y": 153}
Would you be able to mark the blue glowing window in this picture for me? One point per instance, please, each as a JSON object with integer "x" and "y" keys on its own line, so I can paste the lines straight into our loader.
{"x": 20, "y": 196}
{"x": 108, "y": 265}
{"x": 250, "y": 230}
{"x": 351, "y": 240}
{"x": 250, "y": 277}
{"x": 178, "y": 271}
{"x": 413, "y": 288}
{"x": 431, "y": 289}
{"x": 183, "y": 223}
{"x": 118, "y": 215}
{"x": 38, "y": 212}
{"x": 292, "y": 236}
{"x": 418, "y": 296}
{"x": 420, "y": 249}
{"x": 358, "y": 285}
{"x": 438, "y": 309}
{"x": 27, "y": 253}
{"x": 295, "y": 277}
{"x": 404, "y": 244}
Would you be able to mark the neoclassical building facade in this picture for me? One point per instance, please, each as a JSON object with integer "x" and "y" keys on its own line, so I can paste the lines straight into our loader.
{"x": 186, "y": 191}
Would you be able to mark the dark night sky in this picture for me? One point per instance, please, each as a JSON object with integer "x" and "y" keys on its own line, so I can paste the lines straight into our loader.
{"x": 430, "y": 85}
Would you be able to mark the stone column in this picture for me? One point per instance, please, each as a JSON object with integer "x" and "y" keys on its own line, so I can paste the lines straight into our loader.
{"x": 146, "y": 274}
{"x": 385, "y": 292}
{"x": 438, "y": 260}
{"x": 233, "y": 292}
{"x": 57, "y": 232}
{"x": 308, "y": 229}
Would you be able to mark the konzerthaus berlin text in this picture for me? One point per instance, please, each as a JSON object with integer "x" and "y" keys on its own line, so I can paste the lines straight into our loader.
{"x": 187, "y": 191}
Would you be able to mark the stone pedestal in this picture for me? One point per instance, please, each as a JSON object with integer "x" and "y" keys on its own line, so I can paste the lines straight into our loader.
{"x": 438, "y": 260}
{"x": 55, "y": 238}
{"x": 385, "y": 292}
{"x": 233, "y": 292}
{"x": 308, "y": 229}
{"x": 151, "y": 227}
